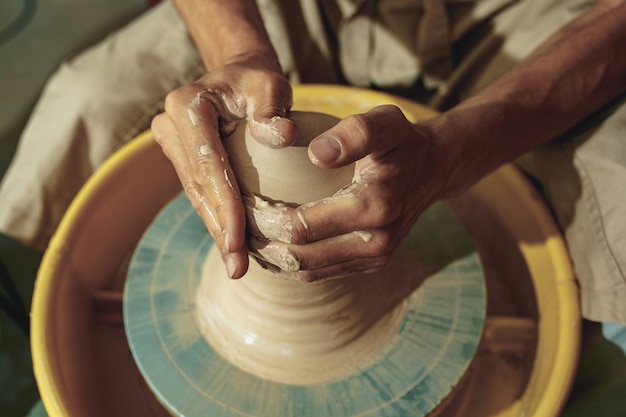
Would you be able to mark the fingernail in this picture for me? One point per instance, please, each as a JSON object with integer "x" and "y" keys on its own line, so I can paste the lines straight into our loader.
{"x": 324, "y": 149}
{"x": 231, "y": 266}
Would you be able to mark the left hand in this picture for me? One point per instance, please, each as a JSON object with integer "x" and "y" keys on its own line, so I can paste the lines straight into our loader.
{"x": 250, "y": 87}
{"x": 400, "y": 170}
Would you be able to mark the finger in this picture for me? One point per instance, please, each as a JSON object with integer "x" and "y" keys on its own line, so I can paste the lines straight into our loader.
{"x": 273, "y": 129}
{"x": 373, "y": 133}
{"x": 270, "y": 221}
{"x": 195, "y": 114}
{"x": 267, "y": 119}
{"x": 166, "y": 135}
{"x": 336, "y": 271}
{"x": 341, "y": 270}
{"x": 365, "y": 247}
{"x": 333, "y": 257}
{"x": 360, "y": 206}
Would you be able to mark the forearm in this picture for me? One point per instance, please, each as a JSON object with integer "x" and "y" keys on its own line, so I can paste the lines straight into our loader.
{"x": 226, "y": 29}
{"x": 573, "y": 74}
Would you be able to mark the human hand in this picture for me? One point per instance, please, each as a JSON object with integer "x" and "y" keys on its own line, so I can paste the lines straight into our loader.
{"x": 400, "y": 169}
{"x": 189, "y": 131}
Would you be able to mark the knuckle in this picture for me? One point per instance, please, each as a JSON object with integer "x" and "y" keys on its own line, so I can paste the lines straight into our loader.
{"x": 179, "y": 99}
{"x": 382, "y": 244}
{"x": 194, "y": 193}
{"x": 389, "y": 115}
{"x": 359, "y": 123}
{"x": 203, "y": 171}
{"x": 275, "y": 96}
{"x": 387, "y": 202}
{"x": 158, "y": 121}
{"x": 393, "y": 110}
{"x": 175, "y": 98}
{"x": 160, "y": 127}
{"x": 389, "y": 212}
{"x": 276, "y": 83}
{"x": 379, "y": 211}
{"x": 157, "y": 129}
{"x": 378, "y": 214}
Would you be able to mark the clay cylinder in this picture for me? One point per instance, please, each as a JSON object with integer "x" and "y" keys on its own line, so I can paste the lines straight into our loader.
{"x": 279, "y": 328}
{"x": 286, "y": 175}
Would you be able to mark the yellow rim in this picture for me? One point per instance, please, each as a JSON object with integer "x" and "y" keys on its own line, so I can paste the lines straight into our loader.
{"x": 553, "y": 396}
{"x": 43, "y": 342}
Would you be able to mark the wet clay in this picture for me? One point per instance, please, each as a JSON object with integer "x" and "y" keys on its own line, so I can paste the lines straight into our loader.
{"x": 278, "y": 328}
{"x": 292, "y": 332}
{"x": 285, "y": 175}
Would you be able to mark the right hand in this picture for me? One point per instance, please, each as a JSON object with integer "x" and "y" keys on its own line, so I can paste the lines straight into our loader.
{"x": 189, "y": 132}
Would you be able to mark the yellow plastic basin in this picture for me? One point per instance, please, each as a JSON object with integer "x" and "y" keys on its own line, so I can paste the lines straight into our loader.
{"x": 82, "y": 362}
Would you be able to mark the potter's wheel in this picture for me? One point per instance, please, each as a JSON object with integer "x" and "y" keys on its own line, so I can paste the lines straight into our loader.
{"x": 82, "y": 361}
{"x": 417, "y": 370}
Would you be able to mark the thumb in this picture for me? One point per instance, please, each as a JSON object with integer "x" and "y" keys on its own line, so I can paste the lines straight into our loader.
{"x": 269, "y": 124}
{"x": 357, "y": 136}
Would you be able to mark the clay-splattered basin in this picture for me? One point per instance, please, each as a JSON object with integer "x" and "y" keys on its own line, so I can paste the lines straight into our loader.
{"x": 82, "y": 361}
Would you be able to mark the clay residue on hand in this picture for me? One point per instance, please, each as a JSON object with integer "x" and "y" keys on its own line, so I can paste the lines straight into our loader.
{"x": 278, "y": 255}
{"x": 228, "y": 181}
{"x": 271, "y": 136}
{"x": 365, "y": 236}
{"x": 206, "y": 150}
{"x": 192, "y": 111}
{"x": 271, "y": 221}
{"x": 233, "y": 104}
{"x": 268, "y": 220}
{"x": 302, "y": 220}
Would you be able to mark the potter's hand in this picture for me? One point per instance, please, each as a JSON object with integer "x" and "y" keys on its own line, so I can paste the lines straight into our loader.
{"x": 190, "y": 130}
{"x": 400, "y": 170}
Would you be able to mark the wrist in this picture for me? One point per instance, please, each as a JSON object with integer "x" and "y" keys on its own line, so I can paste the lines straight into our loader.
{"x": 225, "y": 30}
{"x": 266, "y": 60}
{"x": 451, "y": 162}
